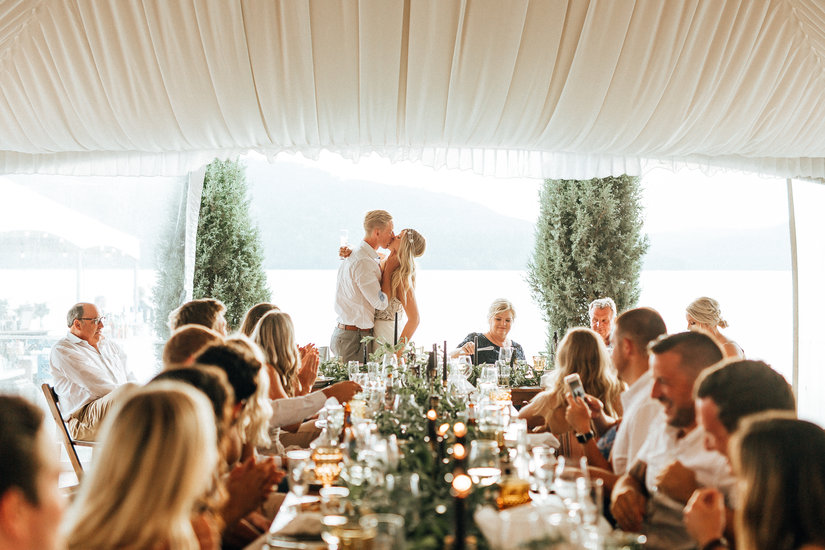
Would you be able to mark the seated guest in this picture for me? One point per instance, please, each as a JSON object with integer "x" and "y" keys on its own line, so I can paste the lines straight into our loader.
{"x": 673, "y": 460}
{"x": 602, "y": 312}
{"x": 581, "y": 352}
{"x": 250, "y": 383}
{"x": 248, "y": 485}
{"x": 207, "y": 312}
{"x": 725, "y": 394}
{"x": 308, "y": 353}
{"x": 705, "y": 314}
{"x": 500, "y": 316}
{"x": 633, "y": 331}
{"x": 31, "y": 504}
{"x": 275, "y": 335}
{"x": 89, "y": 371}
{"x": 156, "y": 463}
{"x": 250, "y": 320}
{"x": 729, "y": 392}
{"x": 781, "y": 496}
{"x": 186, "y": 343}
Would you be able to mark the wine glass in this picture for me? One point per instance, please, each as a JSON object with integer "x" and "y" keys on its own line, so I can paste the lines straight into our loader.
{"x": 489, "y": 375}
{"x": 484, "y": 462}
{"x": 539, "y": 362}
{"x": 390, "y": 363}
{"x": 543, "y": 469}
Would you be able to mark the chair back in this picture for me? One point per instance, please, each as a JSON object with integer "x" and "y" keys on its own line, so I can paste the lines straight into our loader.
{"x": 68, "y": 442}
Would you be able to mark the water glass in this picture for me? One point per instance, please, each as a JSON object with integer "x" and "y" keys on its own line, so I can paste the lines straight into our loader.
{"x": 343, "y": 237}
{"x": 334, "y": 501}
{"x": 390, "y": 362}
{"x": 353, "y": 368}
{"x": 387, "y": 530}
{"x": 373, "y": 371}
{"x": 503, "y": 374}
{"x": 300, "y": 470}
{"x": 484, "y": 462}
{"x": 489, "y": 375}
{"x": 539, "y": 363}
{"x": 505, "y": 353}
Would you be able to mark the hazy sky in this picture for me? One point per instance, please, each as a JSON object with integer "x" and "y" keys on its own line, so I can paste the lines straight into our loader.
{"x": 674, "y": 201}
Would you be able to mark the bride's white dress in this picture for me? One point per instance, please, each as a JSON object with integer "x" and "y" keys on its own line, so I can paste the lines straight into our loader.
{"x": 385, "y": 321}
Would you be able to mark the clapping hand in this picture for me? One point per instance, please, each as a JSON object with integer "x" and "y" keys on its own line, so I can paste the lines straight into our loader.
{"x": 310, "y": 361}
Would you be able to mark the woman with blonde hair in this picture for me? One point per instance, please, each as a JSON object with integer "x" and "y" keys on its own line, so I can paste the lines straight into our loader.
{"x": 275, "y": 335}
{"x": 398, "y": 283}
{"x": 501, "y": 315}
{"x": 581, "y": 351}
{"x": 705, "y": 314}
{"x": 157, "y": 461}
{"x": 779, "y": 462}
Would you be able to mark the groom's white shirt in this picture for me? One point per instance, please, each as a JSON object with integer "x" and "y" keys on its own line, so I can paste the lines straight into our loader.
{"x": 358, "y": 293}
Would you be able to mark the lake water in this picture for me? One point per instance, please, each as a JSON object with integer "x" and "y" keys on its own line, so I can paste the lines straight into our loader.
{"x": 756, "y": 304}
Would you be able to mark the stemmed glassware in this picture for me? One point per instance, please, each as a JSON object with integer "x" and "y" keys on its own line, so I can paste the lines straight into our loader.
{"x": 484, "y": 462}
{"x": 300, "y": 471}
{"x": 543, "y": 470}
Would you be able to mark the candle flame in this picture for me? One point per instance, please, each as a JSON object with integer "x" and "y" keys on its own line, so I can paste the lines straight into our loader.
{"x": 459, "y": 451}
{"x": 431, "y": 414}
{"x": 443, "y": 429}
{"x": 460, "y": 429}
{"x": 462, "y": 485}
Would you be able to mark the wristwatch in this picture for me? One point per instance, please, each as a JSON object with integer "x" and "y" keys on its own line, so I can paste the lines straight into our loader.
{"x": 585, "y": 437}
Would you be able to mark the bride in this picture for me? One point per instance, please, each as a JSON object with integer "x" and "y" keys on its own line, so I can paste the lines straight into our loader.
{"x": 398, "y": 283}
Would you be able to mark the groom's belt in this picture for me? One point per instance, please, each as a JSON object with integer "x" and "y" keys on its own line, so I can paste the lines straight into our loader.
{"x": 353, "y": 327}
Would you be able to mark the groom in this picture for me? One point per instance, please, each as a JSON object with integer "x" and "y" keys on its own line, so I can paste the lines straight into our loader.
{"x": 358, "y": 292}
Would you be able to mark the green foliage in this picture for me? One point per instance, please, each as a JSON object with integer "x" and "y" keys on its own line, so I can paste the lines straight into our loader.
{"x": 589, "y": 245}
{"x": 168, "y": 292}
{"x": 228, "y": 253}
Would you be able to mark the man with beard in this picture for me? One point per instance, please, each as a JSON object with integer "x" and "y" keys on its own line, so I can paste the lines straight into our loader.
{"x": 673, "y": 460}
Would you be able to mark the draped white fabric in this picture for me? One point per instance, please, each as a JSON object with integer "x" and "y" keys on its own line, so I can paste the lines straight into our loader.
{"x": 547, "y": 88}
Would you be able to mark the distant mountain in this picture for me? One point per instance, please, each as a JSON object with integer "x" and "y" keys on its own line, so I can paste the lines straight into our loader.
{"x": 755, "y": 249}
{"x": 301, "y": 209}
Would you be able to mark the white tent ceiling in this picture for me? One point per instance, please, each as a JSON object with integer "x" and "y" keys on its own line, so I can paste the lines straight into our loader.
{"x": 543, "y": 88}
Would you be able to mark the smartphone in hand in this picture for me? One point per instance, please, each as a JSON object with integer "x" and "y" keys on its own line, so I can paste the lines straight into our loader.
{"x": 574, "y": 382}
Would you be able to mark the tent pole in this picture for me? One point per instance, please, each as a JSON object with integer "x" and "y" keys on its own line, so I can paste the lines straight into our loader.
{"x": 795, "y": 281}
{"x": 194, "y": 189}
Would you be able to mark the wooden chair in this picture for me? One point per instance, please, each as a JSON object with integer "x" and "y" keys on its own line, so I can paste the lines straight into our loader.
{"x": 68, "y": 442}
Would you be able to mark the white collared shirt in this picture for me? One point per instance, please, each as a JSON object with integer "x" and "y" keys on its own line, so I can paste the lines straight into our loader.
{"x": 664, "y": 523}
{"x": 639, "y": 411}
{"x": 82, "y": 374}
{"x": 358, "y": 293}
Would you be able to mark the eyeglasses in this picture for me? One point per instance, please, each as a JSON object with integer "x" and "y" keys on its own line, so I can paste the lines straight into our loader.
{"x": 95, "y": 320}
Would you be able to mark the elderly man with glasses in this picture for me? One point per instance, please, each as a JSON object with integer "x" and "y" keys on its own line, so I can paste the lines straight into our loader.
{"x": 89, "y": 371}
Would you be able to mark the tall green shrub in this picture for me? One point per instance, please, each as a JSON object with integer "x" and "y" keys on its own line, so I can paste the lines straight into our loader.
{"x": 589, "y": 244}
{"x": 229, "y": 253}
{"x": 168, "y": 292}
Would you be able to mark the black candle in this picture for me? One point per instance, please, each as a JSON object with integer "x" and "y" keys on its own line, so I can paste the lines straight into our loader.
{"x": 444, "y": 370}
{"x": 365, "y": 354}
{"x": 395, "y": 331}
{"x": 461, "y": 489}
{"x": 475, "y": 350}
{"x": 445, "y": 360}
{"x": 435, "y": 361}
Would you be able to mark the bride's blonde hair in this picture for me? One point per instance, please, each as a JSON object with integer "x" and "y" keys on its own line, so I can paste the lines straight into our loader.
{"x": 412, "y": 246}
